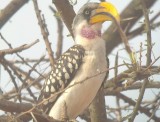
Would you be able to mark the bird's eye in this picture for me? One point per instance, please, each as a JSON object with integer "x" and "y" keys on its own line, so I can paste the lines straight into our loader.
{"x": 87, "y": 12}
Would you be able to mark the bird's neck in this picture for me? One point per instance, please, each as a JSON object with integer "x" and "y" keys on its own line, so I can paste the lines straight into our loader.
{"x": 89, "y": 44}
{"x": 89, "y": 36}
{"x": 90, "y": 33}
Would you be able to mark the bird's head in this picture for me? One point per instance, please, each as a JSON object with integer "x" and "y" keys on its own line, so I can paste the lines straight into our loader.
{"x": 88, "y": 21}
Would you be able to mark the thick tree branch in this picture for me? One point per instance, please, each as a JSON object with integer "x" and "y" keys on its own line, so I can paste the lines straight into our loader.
{"x": 66, "y": 11}
{"x": 97, "y": 108}
{"x": 10, "y": 10}
{"x": 10, "y": 106}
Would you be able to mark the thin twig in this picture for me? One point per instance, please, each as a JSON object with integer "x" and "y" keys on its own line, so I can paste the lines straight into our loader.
{"x": 44, "y": 32}
{"x": 19, "y": 76}
{"x": 142, "y": 109}
{"x": 60, "y": 34}
{"x": 135, "y": 86}
{"x": 11, "y": 75}
{"x": 10, "y": 46}
{"x": 28, "y": 60}
{"x": 29, "y": 73}
{"x": 119, "y": 113}
{"x": 141, "y": 29}
{"x": 124, "y": 40}
{"x": 18, "y": 49}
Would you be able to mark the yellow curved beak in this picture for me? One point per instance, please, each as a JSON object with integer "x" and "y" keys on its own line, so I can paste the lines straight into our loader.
{"x": 105, "y": 12}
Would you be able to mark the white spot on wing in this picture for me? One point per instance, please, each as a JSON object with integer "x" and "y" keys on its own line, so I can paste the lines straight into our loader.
{"x": 71, "y": 49}
{"x": 74, "y": 61}
{"x": 53, "y": 80}
{"x": 54, "y": 74}
{"x": 69, "y": 59}
{"x": 76, "y": 66}
{"x": 58, "y": 78}
{"x": 47, "y": 88}
{"x": 57, "y": 71}
{"x": 67, "y": 76}
{"x": 67, "y": 53}
{"x": 70, "y": 65}
{"x": 50, "y": 77}
{"x": 48, "y": 82}
{"x": 77, "y": 50}
{"x": 76, "y": 57}
{"x": 52, "y": 89}
{"x": 59, "y": 74}
{"x": 64, "y": 70}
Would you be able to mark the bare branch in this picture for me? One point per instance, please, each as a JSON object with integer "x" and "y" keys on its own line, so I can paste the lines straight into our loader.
{"x": 141, "y": 29}
{"x": 141, "y": 109}
{"x": 4, "y": 61}
{"x": 66, "y": 11}
{"x": 97, "y": 108}
{"x": 60, "y": 34}
{"x": 18, "y": 49}
{"x": 10, "y": 106}
{"x": 10, "y": 10}
{"x": 114, "y": 91}
{"x": 18, "y": 54}
{"x": 112, "y": 36}
{"x": 149, "y": 44}
{"x": 44, "y": 32}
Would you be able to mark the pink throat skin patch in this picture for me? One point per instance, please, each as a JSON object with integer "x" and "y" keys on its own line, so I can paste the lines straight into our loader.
{"x": 90, "y": 33}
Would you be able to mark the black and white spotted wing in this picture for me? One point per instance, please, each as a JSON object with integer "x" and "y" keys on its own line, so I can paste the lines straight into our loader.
{"x": 63, "y": 71}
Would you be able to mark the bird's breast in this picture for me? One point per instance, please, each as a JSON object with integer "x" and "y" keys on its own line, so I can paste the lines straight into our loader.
{"x": 83, "y": 87}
